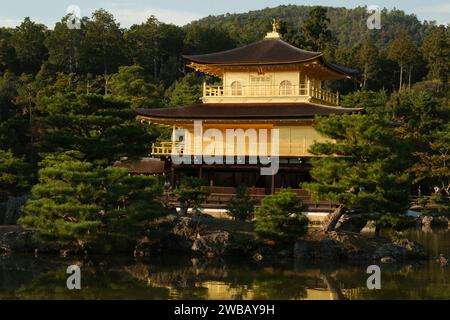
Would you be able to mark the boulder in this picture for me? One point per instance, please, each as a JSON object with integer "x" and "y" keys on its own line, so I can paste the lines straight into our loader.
{"x": 284, "y": 254}
{"x": 387, "y": 260}
{"x": 329, "y": 249}
{"x": 370, "y": 227}
{"x": 301, "y": 250}
{"x": 213, "y": 243}
{"x": 413, "y": 249}
{"x": 12, "y": 210}
{"x": 21, "y": 240}
{"x": 258, "y": 257}
{"x": 428, "y": 222}
{"x": 443, "y": 261}
{"x": 185, "y": 227}
{"x": 389, "y": 250}
{"x": 400, "y": 250}
{"x": 351, "y": 223}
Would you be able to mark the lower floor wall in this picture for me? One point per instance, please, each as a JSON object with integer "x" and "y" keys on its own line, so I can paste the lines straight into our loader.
{"x": 223, "y": 180}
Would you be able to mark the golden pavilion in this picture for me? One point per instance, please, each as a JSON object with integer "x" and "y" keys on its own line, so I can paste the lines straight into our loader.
{"x": 268, "y": 84}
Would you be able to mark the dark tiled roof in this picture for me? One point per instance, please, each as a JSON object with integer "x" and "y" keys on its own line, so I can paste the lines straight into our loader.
{"x": 245, "y": 111}
{"x": 267, "y": 51}
{"x": 143, "y": 166}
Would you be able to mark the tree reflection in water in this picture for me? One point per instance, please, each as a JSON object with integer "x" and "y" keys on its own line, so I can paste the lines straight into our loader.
{"x": 44, "y": 277}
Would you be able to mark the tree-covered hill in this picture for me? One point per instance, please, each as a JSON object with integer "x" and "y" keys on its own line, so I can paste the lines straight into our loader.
{"x": 347, "y": 25}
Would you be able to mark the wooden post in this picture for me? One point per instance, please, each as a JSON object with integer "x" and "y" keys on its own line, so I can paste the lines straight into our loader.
{"x": 172, "y": 176}
{"x": 272, "y": 190}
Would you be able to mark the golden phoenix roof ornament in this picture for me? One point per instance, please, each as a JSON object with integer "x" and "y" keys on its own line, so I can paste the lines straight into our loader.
{"x": 275, "y": 25}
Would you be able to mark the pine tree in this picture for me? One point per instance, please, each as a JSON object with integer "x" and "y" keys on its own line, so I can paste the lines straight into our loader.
{"x": 365, "y": 168}
{"x": 64, "y": 46}
{"x": 316, "y": 32}
{"x": 241, "y": 206}
{"x": 28, "y": 42}
{"x": 101, "y": 128}
{"x": 90, "y": 208}
{"x": 130, "y": 83}
{"x": 403, "y": 51}
{"x": 15, "y": 175}
{"x": 368, "y": 59}
{"x": 280, "y": 217}
{"x": 436, "y": 50}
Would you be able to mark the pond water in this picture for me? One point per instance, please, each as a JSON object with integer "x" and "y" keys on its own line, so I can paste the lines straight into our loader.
{"x": 175, "y": 277}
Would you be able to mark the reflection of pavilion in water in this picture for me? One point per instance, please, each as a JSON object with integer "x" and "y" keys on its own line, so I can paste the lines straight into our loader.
{"x": 214, "y": 282}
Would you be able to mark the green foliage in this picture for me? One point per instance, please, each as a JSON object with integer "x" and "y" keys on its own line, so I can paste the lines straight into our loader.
{"x": 91, "y": 208}
{"x": 371, "y": 101}
{"x": 156, "y": 47}
{"x": 404, "y": 52}
{"x": 131, "y": 83}
{"x": 103, "y": 46}
{"x": 436, "y": 50}
{"x": 315, "y": 29}
{"x": 241, "y": 206}
{"x": 101, "y": 128}
{"x": 368, "y": 59}
{"x": 201, "y": 39}
{"x": 193, "y": 191}
{"x": 15, "y": 175}
{"x": 395, "y": 222}
{"x": 366, "y": 166}
{"x": 8, "y": 59}
{"x": 64, "y": 47}
{"x": 14, "y": 127}
{"x": 433, "y": 163}
{"x": 280, "y": 217}
{"x": 184, "y": 92}
{"x": 28, "y": 42}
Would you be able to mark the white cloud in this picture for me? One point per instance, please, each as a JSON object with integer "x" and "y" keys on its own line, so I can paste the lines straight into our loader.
{"x": 129, "y": 16}
{"x": 438, "y": 8}
{"x": 437, "y": 12}
{"x": 9, "y": 23}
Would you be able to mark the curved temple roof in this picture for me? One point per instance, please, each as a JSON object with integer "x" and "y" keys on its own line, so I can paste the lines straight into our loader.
{"x": 270, "y": 51}
{"x": 244, "y": 111}
{"x": 267, "y": 51}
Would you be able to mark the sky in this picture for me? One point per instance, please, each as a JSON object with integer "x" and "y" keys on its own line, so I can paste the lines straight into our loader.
{"x": 181, "y": 12}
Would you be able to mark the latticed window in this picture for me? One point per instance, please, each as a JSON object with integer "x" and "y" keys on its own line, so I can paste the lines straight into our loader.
{"x": 286, "y": 88}
{"x": 236, "y": 88}
{"x": 261, "y": 85}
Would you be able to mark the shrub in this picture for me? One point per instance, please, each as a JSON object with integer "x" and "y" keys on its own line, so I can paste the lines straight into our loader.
{"x": 395, "y": 222}
{"x": 280, "y": 217}
{"x": 193, "y": 192}
{"x": 92, "y": 209}
{"x": 241, "y": 206}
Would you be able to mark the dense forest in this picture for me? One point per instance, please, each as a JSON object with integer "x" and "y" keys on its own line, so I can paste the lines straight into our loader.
{"x": 67, "y": 98}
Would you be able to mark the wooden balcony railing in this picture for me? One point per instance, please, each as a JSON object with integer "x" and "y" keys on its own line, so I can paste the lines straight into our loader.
{"x": 165, "y": 148}
{"x": 306, "y": 91}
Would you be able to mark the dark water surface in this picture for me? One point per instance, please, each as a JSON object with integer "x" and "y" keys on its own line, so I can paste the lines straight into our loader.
{"x": 175, "y": 277}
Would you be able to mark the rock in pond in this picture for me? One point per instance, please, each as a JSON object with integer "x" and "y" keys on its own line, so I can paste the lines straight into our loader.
{"x": 443, "y": 261}
{"x": 351, "y": 223}
{"x": 21, "y": 240}
{"x": 370, "y": 227}
{"x": 387, "y": 260}
{"x": 428, "y": 222}
{"x": 400, "y": 250}
{"x": 211, "y": 244}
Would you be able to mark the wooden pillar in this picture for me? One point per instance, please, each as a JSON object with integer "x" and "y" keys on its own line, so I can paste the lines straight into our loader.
{"x": 272, "y": 190}
{"x": 172, "y": 176}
